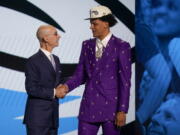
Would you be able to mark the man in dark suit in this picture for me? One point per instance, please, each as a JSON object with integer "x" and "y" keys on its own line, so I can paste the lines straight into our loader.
{"x": 43, "y": 74}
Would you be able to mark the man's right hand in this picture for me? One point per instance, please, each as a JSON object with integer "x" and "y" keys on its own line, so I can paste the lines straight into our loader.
{"x": 61, "y": 91}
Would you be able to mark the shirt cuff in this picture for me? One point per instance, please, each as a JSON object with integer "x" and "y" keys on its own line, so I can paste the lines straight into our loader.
{"x": 54, "y": 93}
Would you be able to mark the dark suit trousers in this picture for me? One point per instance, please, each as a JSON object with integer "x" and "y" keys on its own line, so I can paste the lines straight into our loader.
{"x": 35, "y": 130}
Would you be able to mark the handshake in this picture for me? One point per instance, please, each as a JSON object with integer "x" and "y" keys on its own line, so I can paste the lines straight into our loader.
{"x": 61, "y": 91}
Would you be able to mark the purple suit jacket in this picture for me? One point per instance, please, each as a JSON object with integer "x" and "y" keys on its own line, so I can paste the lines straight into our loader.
{"x": 107, "y": 81}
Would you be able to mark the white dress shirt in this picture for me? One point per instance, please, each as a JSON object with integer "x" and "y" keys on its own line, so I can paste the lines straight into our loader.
{"x": 104, "y": 42}
{"x": 46, "y": 53}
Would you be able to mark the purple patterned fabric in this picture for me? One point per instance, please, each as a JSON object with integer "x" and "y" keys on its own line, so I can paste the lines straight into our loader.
{"x": 108, "y": 128}
{"x": 107, "y": 80}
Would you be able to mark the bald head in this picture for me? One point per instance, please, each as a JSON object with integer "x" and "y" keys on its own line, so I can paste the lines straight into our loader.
{"x": 43, "y": 31}
{"x": 48, "y": 37}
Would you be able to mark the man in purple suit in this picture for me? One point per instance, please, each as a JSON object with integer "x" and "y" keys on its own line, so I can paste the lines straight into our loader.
{"x": 105, "y": 68}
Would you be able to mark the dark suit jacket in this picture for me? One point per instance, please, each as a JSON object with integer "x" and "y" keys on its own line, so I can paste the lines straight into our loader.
{"x": 41, "y": 79}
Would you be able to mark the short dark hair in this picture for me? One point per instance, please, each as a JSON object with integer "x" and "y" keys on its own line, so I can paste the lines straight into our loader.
{"x": 110, "y": 19}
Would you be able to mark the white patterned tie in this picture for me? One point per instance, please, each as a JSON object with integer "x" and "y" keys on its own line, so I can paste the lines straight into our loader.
{"x": 99, "y": 50}
{"x": 53, "y": 62}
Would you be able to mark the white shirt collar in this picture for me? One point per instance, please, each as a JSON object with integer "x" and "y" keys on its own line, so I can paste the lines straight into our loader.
{"x": 105, "y": 40}
{"x": 46, "y": 53}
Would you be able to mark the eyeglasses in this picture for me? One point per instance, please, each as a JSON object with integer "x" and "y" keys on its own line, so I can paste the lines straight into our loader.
{"x": 55, "y": 34}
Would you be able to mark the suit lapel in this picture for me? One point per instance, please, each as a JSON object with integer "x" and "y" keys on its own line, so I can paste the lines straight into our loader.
{"x": 46, "y": 61}
{"x": 92, "y": 58}
{"x": 107, "y": 52}
{"x": 92, "y": 51}
{"x": 58, "y": 69}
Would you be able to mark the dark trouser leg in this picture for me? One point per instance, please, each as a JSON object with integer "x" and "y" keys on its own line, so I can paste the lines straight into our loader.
{"x": 38, "y": 130}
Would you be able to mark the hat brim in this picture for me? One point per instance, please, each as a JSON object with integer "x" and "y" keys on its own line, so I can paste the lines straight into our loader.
{"x": 92, "y": 18}
{"x": 97, "y": 17}
{"x": 87, "y": 18}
